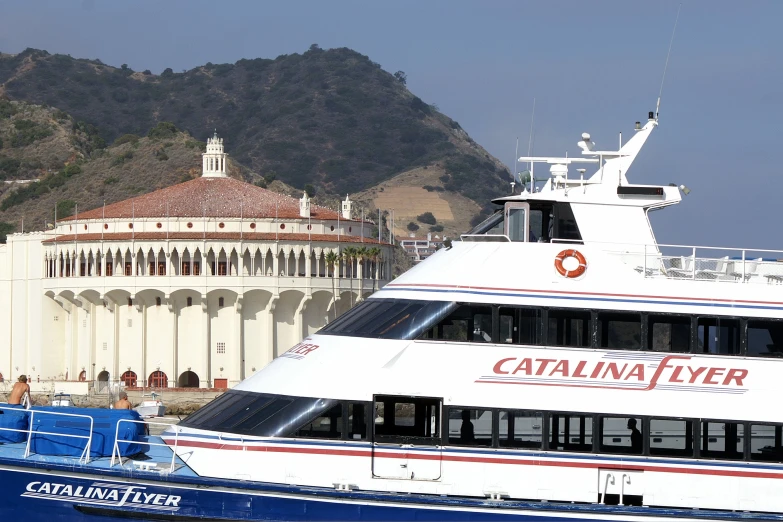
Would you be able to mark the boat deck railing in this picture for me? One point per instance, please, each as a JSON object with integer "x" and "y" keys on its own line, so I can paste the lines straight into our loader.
{"x": 116, "y": 454}
{"x": 700, "y": 263}
{"x": 84, "y": 457}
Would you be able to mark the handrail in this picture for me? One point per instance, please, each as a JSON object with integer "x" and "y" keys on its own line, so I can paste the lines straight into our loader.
{"x": 117, "y": 441}
{"x": 485, "y": 238}
{"x": 609, "y": 476}
{"x": 84, "y": 458}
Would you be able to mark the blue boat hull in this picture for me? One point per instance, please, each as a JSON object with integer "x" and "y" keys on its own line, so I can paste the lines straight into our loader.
{"x": 49, "y": 494}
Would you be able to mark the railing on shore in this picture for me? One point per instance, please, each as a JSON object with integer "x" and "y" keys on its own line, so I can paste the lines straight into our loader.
{"x": 85, "y": 456}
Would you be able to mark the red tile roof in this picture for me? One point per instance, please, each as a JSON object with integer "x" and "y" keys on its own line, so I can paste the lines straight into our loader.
{"x": 211, "y": 197}
{"x": 233, "y": 236}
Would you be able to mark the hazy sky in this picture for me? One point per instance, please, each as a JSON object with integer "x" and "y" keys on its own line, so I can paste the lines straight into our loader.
{"x": 591, "y": 66}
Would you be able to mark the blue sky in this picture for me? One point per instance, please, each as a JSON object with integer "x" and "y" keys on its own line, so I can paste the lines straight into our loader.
{"x": 591, "y": 66}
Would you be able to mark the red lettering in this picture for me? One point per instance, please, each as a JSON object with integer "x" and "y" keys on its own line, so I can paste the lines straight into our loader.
{"x": 525, "y": 366}
{"x": 497, "y": 368}
{"x": 713, "y": 372}
{"x": 637, "y": 371}
{"x": 561, "y": 368}
{"x": 695, "y": 374}
{"x": 543, "y": 365}
{"x": 579, "y": 368}
{"x": 661, "y": 367}
{"x": 676, "y": 374}
{"x": 597, "y": 370}
{"x": 308, "y": 348}
{"x": 735, "y": 375}
{"x": 616, "y": 372}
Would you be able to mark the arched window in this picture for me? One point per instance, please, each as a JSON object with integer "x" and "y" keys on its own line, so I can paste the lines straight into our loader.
{"x": 188, "y": 379}
{"x": 157, "y": 301}
{"x": 130, "y": 302}
{"x": 190, "y": 301}
{"x": 82, "y": 376}
{"x": 221, "y": 302}
{"x": 158, "y": 379}
{"x": 129, "y": 378}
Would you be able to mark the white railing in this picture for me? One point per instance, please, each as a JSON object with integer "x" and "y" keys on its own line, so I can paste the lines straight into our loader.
{"x": 85, "y": 456}
{"x": 116, "y": 454}
{"x": 700, "y": 263}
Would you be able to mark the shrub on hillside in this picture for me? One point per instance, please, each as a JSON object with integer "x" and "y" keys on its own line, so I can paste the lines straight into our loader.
{"x": 126, "y": 138}
{"x": 162, "y": 130}
{"x": 413, "y": 227}
{"x": 427, "y": 218}
{"x": 65, "y": 208}
{"x": 436, "y": 228}
{"x": 27, "y": 132}
{"x": 8, "y": 167}
{"x": 5, "y": 229}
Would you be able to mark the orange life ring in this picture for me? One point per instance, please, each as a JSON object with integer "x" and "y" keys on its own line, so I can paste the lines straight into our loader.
{"x": 579, "y": 270}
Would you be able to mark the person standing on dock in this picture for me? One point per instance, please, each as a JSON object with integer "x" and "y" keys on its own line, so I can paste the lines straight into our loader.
{"x": 20, "y": 394}
{"x": 123, "y": 403}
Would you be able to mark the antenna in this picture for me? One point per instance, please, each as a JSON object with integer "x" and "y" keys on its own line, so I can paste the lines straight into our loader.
{"x": 530, "y": 148}
{"x": 666, "y": 66}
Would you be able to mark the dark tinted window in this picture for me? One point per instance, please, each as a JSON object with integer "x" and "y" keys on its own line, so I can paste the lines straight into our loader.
{"x": 260, "y": 414}
{"x": 669, "y": 333}
{"x": 407, "y": 418}
{"x": 565, "y": 226}
{"x": 492, "y": 225}
{"x": 467, "y": 322}
{"x": 520, "y": 326}
{"x": 718, "y": 335}
{"x": 765, "y": 338}
{"x": 620, "y": 330}
{"x": 569, "y": 328}
{"x": 324, "y": 425}
{"x": 389, "y": 318}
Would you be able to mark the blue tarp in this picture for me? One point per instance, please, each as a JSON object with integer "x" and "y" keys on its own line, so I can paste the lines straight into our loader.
{"x": 104, "y": 427}
{"x": 13, "y": 420}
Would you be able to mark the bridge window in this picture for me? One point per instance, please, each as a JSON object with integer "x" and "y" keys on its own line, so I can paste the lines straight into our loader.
{"x": 722, "y": 440}
{"x": 470, "y": 427}
{"x": 718, "y": 336}
{"x": 571, "y": 432}
{"x": 765, "y": 338}
{"x": 407, "y": 419}
{"x": 521, "y": 429}
{"x": 766, "y": 442}
{"x": 516, "y": 221}
{"x": 622, "y": 435}
{"x": 671, "y": 437}
{"x": 669, "y": 333}
{"x": 326, "y": 425}
{"x": 357, "y": 421}
{"x": 569, "y": 327}
{"x": 520, "y": 326}
{"x": 620, "y": 330}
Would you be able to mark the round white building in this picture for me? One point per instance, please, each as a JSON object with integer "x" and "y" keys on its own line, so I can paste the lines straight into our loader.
{"x": 196, "y": 285}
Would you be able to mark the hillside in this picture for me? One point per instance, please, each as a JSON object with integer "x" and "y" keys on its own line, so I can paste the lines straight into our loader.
{"x": 73, "y": 166}
{"x": 331, "y": 121}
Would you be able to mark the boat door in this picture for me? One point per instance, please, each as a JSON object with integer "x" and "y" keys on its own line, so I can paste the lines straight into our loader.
{"x": 406, "y": 441}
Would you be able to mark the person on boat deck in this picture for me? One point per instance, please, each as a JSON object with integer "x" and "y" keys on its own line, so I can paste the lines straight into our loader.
{"x": 466, "y": 430}
{"x": 20, "y": 389}
{"x": 636, "y": 436}
{"x": 123, "y": 403}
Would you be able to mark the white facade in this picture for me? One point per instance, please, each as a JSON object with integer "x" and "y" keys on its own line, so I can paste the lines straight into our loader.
{"x": 178, "y": 299}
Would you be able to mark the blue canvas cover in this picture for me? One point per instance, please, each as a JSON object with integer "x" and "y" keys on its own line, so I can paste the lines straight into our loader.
{"x": 104, "y": 427}
{"x": 13, "y": 420}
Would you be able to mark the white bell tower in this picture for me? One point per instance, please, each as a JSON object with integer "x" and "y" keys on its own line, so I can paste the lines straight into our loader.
{"x": 214, "y": 159}
{"x": 347, "y": 204}
{"x": 304, "y": 206}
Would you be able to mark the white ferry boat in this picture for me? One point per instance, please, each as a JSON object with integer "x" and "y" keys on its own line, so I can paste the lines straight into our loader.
{"x": 555, "y": 364}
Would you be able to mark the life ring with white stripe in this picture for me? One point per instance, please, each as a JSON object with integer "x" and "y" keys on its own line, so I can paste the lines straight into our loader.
{"x": 576, "y": 272}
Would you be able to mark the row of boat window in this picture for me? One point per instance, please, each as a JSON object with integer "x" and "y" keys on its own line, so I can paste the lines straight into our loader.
{"x": 617, "y": 330}
{"x": 425, "y": 421}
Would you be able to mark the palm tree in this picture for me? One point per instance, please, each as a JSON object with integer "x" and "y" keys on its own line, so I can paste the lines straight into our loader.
{"x": 331, "y": 259}
{"x": 349, "y": 254}
{"x": 363, "y": 254}
{"x": 374, "y": 254}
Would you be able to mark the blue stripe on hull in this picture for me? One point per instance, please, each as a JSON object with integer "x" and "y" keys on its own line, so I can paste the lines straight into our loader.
{"x": 33, "y": 494}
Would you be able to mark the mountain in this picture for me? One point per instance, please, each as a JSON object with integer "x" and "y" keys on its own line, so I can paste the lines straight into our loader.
{"x": 329, "y": 121}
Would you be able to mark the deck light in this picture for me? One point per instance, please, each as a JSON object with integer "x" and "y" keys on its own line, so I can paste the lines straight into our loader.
{"x": 638, "y": 126}
{"x": 650, "y": 115}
